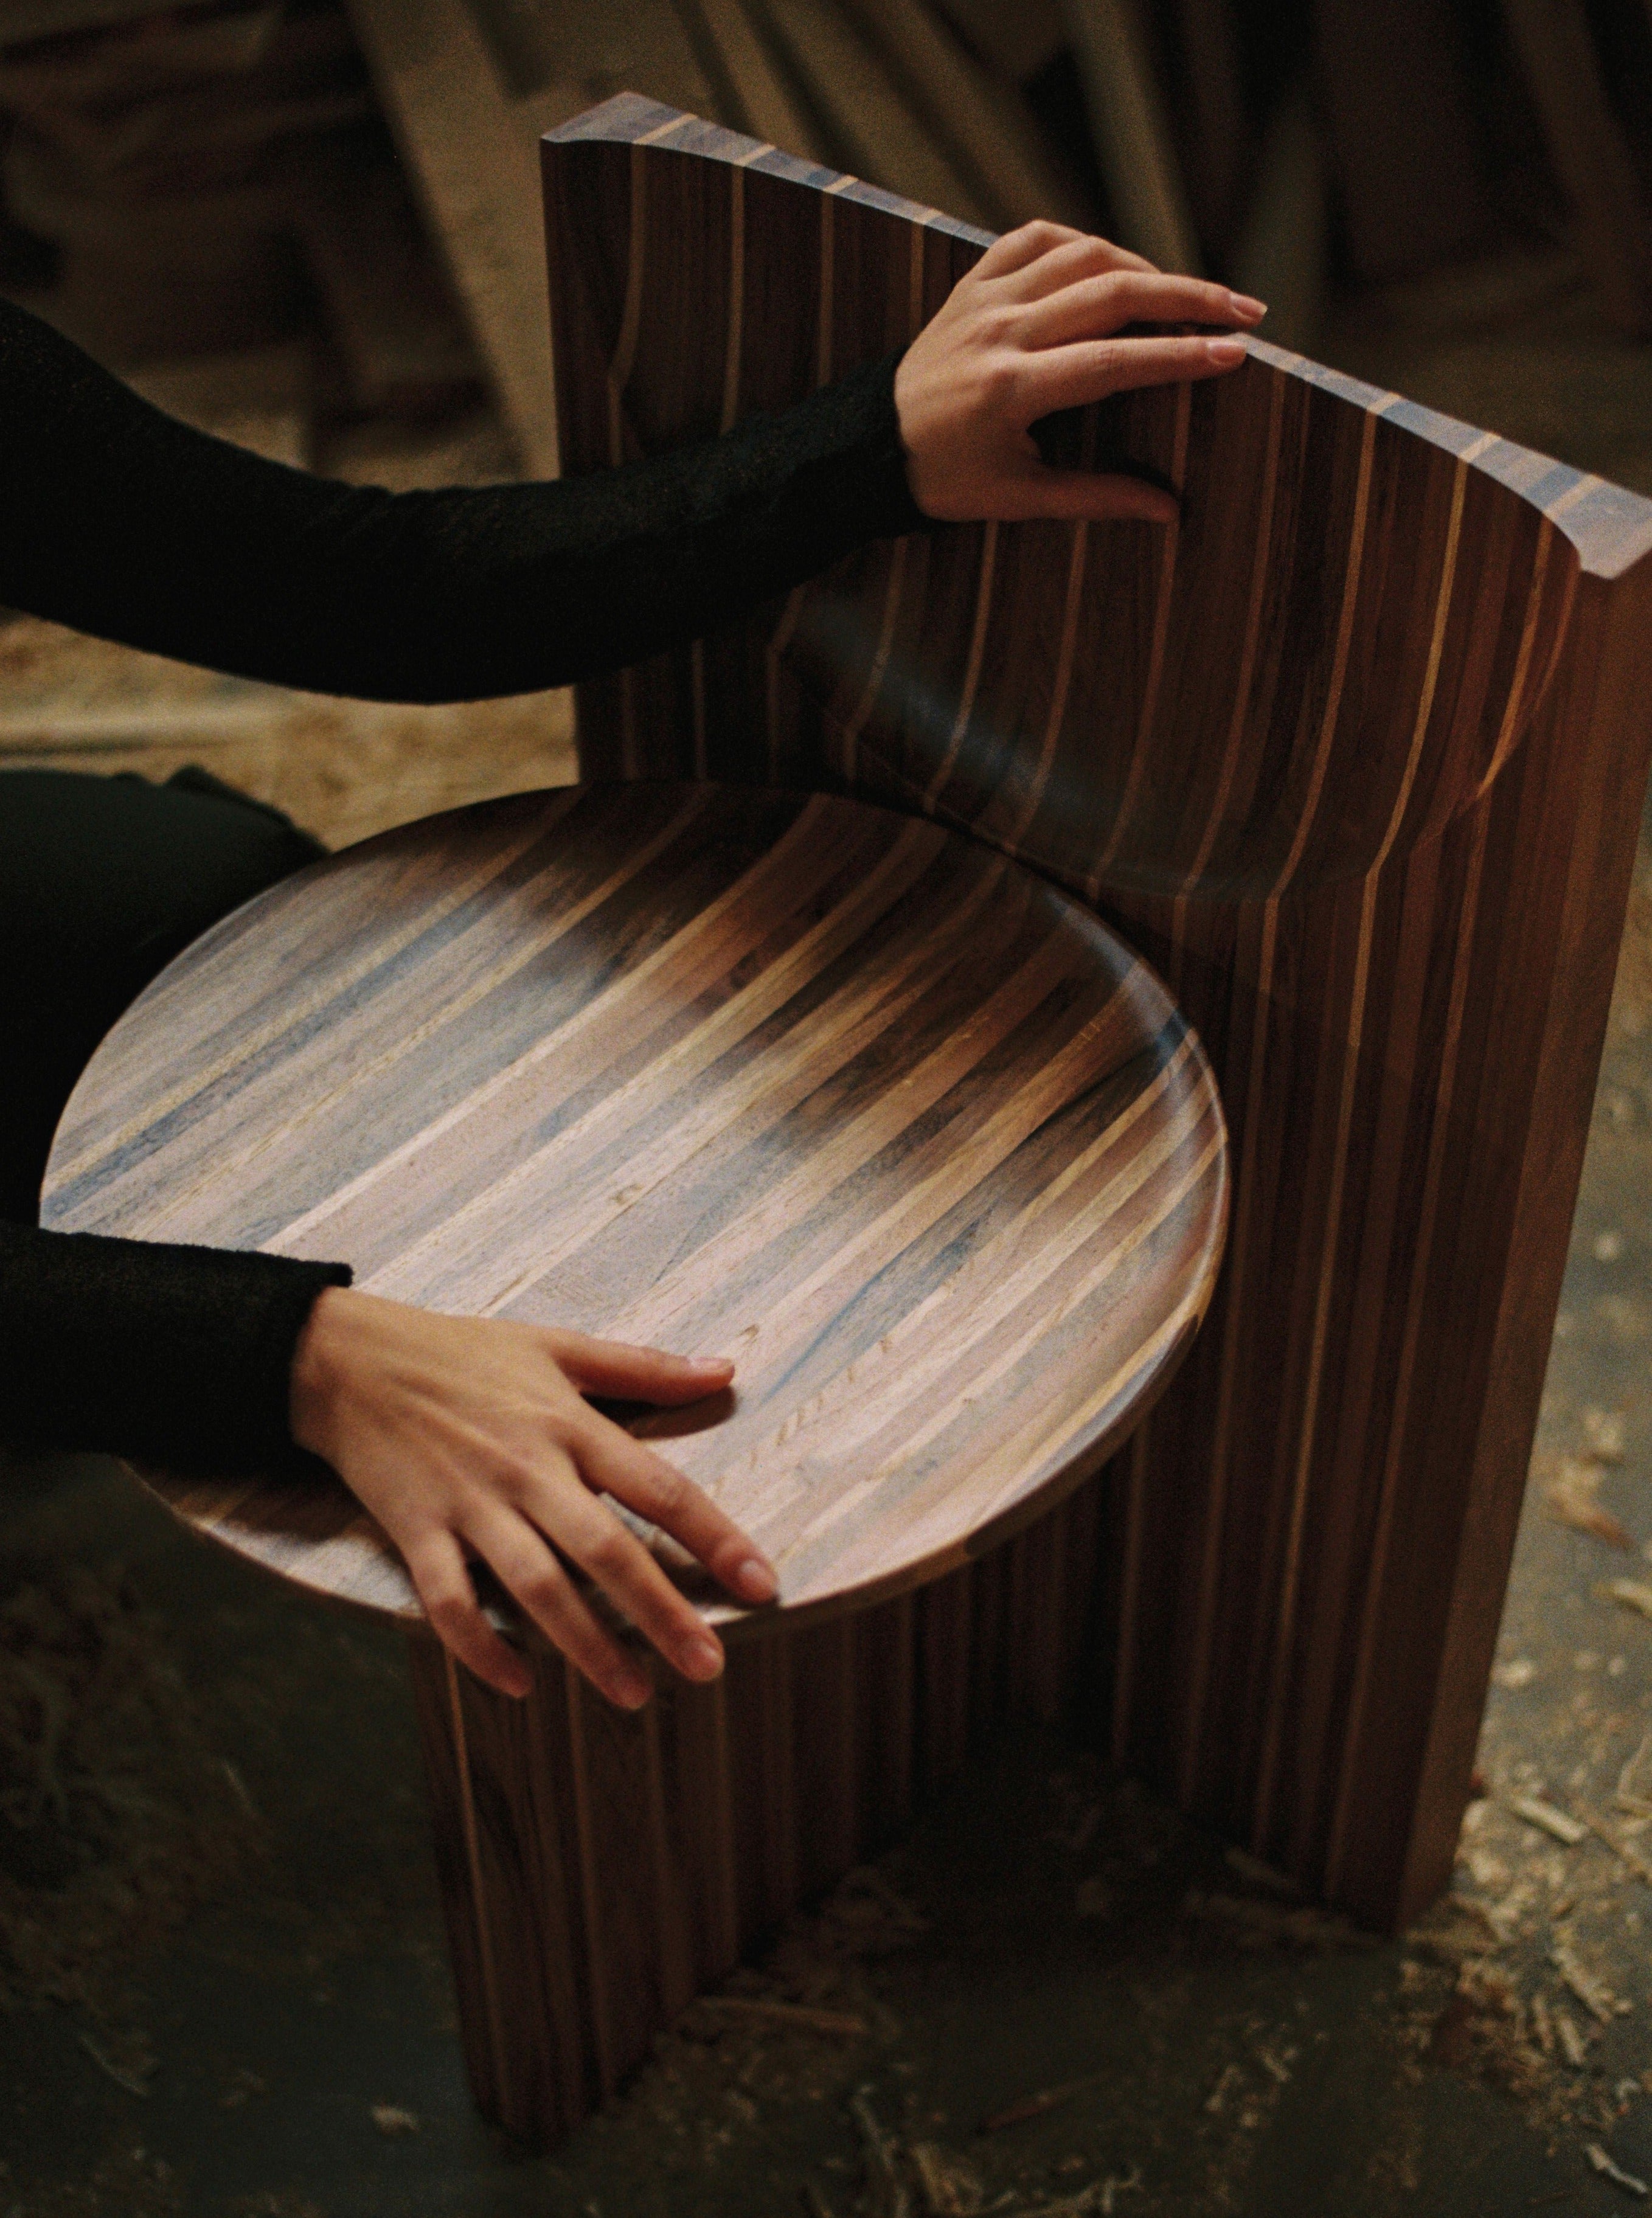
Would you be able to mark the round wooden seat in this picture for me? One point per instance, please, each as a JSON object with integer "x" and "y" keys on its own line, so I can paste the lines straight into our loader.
{"x": 906, "y": 1132}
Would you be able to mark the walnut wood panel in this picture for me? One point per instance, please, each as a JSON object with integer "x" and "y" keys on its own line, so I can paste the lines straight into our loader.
{"x": 891, "y": 1121}
{"x": 1356, "y": 754}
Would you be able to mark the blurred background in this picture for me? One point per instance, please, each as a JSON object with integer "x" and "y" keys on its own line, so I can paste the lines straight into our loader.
{"x": 315, "y": 229}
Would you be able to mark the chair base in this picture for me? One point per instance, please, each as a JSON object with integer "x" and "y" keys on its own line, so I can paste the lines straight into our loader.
{"x": 600, "y": 1869}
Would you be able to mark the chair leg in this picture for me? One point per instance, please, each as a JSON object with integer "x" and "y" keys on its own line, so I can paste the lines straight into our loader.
{"x": 598, "y": 1870}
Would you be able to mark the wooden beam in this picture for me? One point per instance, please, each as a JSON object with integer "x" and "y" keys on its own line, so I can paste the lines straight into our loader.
{"x": 1131, "y": 135}
{"x": 988, "y": 131}
{"x": 471, "y": 151}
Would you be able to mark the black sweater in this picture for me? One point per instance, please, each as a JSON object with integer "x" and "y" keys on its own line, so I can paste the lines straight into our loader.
{"x": 119, "y": 521}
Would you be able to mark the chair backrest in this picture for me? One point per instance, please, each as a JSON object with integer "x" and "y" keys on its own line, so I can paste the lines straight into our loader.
{"x": 1356, "y": 753}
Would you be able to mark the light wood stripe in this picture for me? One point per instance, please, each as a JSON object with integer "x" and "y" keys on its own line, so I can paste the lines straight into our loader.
{"x": 1339, "y": 665}
{"x": 301, "y": 1229}
{"x": 1515, "y": 714}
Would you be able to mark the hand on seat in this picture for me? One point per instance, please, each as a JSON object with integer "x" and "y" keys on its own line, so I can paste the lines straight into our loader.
{"x": 473, "y": 1433}
{"x": 1034, "y": 328}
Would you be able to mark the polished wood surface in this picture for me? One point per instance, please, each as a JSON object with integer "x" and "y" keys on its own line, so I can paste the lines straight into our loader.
{"x": 892, "y": 1121}
{"x": 1356, "y": 754}
{"x": 897, "y": 1125}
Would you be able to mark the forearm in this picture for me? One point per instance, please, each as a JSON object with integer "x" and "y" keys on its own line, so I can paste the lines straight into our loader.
{"x": 121, "y": 522}
{"x": 168, "y": 1354}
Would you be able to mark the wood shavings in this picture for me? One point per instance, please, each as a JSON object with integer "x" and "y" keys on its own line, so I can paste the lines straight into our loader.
{"x": 1031, "y": 2106}
{"x": 130, "y": 2080}
{"x": 1572, "y": 1497}
{"x": 1231, "y": 2080}
{"x": 1519, "y": 1671}
{"x": 1571, "y": 2041}
{"x": 1601, "y": 2162}
{"x": 1542, "y": 2024}
{"x": 1257, "y": 1874}
{"x": 1632, "y": 1594}
{"x": 886, "y": 2191}
{"x": 949, "y": 2190}
{"x": 392, "y": 2120}
{"x": 1634, "y": 1793}
{"x": 1558, "y": 1823}
{"x": 1594, "y": 1994}
{"x": 1603, "y": 1431}
{"x": 1620, "y": 1847}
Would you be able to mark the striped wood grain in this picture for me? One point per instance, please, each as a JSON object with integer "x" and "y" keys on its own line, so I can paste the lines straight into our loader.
{"x": 893, "y": 1122}
{"x": 1354, "y": 754}
{"x": 899, "y": 1127}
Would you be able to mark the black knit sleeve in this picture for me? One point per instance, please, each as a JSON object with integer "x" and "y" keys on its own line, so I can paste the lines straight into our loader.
{"x": 119, "y": 521}
{"x": 173, "y": 1355}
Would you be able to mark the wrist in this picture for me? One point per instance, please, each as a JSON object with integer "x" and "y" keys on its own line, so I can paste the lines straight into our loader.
{"x": 317, "y": 1369}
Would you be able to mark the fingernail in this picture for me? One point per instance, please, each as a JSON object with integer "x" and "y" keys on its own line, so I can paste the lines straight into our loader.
{"x": 1247, "y": 309}
{"x": 701, "y": 1657}
{"x": 630, "y": 1691}
{"x": 708, "y": 1363}
{"x": 755, "y": 1581}
{"x": 1225, "y": 352}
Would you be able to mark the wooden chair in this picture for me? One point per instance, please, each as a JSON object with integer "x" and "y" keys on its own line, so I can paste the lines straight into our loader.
{"x": 1356, "y": 756}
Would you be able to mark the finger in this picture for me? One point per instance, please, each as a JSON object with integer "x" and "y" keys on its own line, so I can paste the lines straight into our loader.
{"x": 1015, "y": 248}
{"x": 1085, "y": 495}
{"x": 436, "y": 1568}
{"x": 528, "y": 1570}
{"x": 637, "y": 1374}
{"x": 1098, "y": 306}
{"x": 1079, "y": 256}
{"x": 1071, "y": 376}
{"x": 588, "y": 1532}
{"x": 611, "y": 1460}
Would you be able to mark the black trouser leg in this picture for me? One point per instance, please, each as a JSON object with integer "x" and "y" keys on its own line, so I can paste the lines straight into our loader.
{"x": 103, "y": 880}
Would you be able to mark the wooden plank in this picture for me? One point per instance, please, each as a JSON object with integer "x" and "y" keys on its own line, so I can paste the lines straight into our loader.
{"x": 1134, "y": 143}
{"x": 1590, "y": 156}
{"x": 471, "y": 153}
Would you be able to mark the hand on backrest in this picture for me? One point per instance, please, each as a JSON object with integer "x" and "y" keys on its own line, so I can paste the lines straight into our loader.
{"x": 1034, "y": 328}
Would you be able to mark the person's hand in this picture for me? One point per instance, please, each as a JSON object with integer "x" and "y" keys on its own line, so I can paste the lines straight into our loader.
{"x": 473, "y": 1433}
{"x": 1031, "y": 329}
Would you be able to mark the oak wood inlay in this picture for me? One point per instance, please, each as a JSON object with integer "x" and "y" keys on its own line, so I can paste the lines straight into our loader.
{"x": 900, "y": 1127}
{"x": 1355, "y": 756}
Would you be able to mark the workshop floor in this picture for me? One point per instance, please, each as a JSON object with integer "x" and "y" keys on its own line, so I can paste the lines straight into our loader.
{"x": 222, "y": 1978}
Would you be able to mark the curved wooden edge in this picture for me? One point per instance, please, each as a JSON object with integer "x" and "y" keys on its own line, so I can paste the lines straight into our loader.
{"x": 1609, "y": 528}
{"x": 332, "y": 1548}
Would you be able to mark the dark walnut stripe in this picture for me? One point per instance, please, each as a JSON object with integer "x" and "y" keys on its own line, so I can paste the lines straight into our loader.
{"x": 1355, "y": 755}
{"x": 895, "y": 1125}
